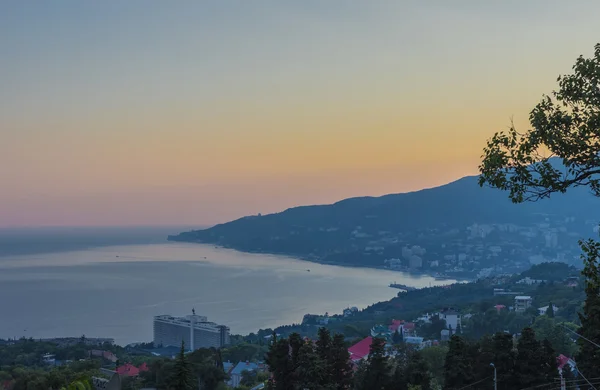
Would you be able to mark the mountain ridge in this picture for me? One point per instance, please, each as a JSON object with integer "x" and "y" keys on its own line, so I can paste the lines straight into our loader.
{"x": 343, "y": 232}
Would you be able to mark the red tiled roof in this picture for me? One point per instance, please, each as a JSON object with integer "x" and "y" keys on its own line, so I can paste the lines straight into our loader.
{"x": 562, "y": 360}
{"x": 360, "y": 349}
{"x": 409, "y": 326}
{"x": 131, "y": 370}
{"x": 395, "y": 325}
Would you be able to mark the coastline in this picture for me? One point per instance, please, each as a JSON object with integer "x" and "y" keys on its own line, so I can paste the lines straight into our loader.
{"x": 459, "y": 278}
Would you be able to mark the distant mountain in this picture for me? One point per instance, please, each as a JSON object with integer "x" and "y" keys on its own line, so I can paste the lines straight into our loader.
{"x": 347, "y": 231}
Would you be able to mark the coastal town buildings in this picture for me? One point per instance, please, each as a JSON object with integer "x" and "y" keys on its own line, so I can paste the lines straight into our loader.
{"x": 195, "y": 331}
{"x": 522, "y": 303}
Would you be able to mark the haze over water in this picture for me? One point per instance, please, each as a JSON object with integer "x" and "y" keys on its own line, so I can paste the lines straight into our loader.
{"x": 96, "y": 293}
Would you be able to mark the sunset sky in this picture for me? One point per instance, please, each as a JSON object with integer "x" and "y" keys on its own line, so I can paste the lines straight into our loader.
{"x": 146, "y": 112}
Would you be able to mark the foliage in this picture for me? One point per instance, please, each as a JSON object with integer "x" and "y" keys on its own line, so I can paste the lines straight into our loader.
{"x": 458, "y": 368}
{"x": 182, "y": 378}
{"x": 565, "y": 126}
{"x": 588, "y": 358}
{"x": 435, "y": 357}
{"x": 530, "y": 362}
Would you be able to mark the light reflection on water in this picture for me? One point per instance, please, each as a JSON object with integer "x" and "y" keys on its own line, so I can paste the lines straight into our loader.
{"x": 115, "y": 291}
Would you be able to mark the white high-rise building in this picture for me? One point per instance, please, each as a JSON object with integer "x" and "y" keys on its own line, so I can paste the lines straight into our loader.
{"x": 195, "y": 331}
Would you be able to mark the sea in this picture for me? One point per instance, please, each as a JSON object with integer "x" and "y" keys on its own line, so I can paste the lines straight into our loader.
{"x": 111, "y": 282}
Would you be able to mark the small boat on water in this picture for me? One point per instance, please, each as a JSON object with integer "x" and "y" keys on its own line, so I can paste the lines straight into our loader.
{"x": 307, "y": 270}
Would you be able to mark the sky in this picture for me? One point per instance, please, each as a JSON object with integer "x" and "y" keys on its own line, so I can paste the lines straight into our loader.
{"x": 146, "y": 112}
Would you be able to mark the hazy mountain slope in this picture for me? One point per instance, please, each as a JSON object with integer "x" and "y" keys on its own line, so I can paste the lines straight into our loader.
{"x": 392, "y": 221}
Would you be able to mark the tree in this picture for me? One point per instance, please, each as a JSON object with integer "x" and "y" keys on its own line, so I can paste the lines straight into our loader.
{"x": 310, "y": 373}
{"x": 588, "y": 359}
{"x": 182, "y": 379}
{"x": 435, "y": 357}
{"x": 324, "y": 352}
{"x": 550, "y": 310}
{"x": 397, "y": 337}
{"x": 549, "y": 363}
{"x": 504, "y": 360}
{"x": 280, "y": 365}
{"x": 529, "y": 364}
{"x": 377, "y": 371}
{"x": 418, "y": 372}
{"x": 458, "y": 368}
{"x": 340, "y": 366}
{"x": 565, "y": 126}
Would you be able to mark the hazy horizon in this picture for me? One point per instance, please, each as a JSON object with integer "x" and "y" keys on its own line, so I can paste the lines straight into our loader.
{"x": 151, "y": 113}
{"x": 199, "y": 225}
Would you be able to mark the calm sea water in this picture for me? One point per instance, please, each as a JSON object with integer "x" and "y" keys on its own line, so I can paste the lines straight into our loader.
{"x": 114, "y": 291}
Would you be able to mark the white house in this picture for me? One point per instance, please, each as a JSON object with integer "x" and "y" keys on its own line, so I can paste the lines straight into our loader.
{"x": 522, "y": 303}
{"x": 451, "y": 317}
{"x": 543, "y": 310}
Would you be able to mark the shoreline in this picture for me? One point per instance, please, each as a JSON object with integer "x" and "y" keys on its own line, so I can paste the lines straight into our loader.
{"x": 462, "y": 278}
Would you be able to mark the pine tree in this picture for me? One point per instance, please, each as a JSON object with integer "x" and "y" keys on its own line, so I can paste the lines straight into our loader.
{"x": 378, "y": 371}
{"x": 458, "y": 369}
{"x": 324, "y": 352}
{"x": 310, "y": 373}
{"x": 529, "y": 364}
{"x": 340, "y": 367}
{"x": 550, "y": 310}
{"x": 182, "y": 379}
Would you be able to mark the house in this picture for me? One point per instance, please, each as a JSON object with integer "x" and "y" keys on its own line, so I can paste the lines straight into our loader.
{"x": 499, "y": 308}
{"x": 104, "y": 354}
{"x": 49, "y": 359}
{"x": 409, "y": 328}
{"x": 528, "y": 281}
{"x": 360, "y": 350}
{"x": 451, "y": 317}
{"x": 129, "y": 369}
{"x": 416, "y": 341}
{"x": 563, "y": 361}
{"x": 396, "y": 325}
{"x": 381, "y": 331}
{"x": 522, "y": 303}
{"x": 236, "y": 373}
{"x": 544, "y": 309}
{"x": 227, "y": 367}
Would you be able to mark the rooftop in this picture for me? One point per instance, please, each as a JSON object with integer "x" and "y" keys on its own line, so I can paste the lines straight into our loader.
{"x": 522, "y": 297}
{"x": 360, "y": 349}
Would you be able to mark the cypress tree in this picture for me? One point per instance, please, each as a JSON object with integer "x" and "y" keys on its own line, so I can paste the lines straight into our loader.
{"x": 397, "y": 337}
{"x": 550, "y": 310}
